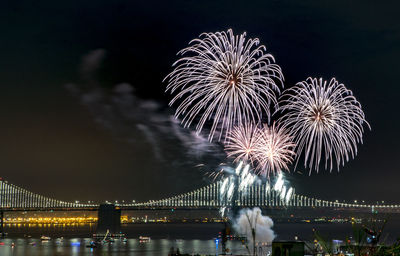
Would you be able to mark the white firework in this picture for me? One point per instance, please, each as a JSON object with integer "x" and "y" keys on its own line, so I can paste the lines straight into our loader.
{"x": 224, "y": 79}
{"x": 274, "y": 150}
{"x": 242, "y": 141}
{"x": 269, "y": 149}
{"x": 326, "y": 120}
{"x": 242, "y": 179}
{"x": 239, "y": 180}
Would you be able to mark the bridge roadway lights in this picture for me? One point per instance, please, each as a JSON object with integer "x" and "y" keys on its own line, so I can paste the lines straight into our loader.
{"x": 109, "y": 219}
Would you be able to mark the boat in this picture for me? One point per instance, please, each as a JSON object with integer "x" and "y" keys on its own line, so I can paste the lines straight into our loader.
{"x": 144, "y": 239}
{"x": 45, "y": 238}
{"x": 108, "y": 237}
{"x": 92, "y": 244}
{"x": 101, "y": 236}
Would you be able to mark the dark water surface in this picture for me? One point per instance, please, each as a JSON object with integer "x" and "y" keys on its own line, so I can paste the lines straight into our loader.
{"x": 77, "y": 246}
{"x": 189, "y": 238}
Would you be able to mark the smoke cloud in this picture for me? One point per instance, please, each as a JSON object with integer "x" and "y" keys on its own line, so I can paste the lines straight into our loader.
{"x": 146, "y": 121}
{"x": 250, "y": 220}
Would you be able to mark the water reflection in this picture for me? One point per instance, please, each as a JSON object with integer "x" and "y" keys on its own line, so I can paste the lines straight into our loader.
{"x": 77, "y": 246}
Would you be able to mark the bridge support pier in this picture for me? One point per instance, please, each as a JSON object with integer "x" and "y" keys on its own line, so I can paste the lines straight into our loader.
{"x": 109, "y": 219}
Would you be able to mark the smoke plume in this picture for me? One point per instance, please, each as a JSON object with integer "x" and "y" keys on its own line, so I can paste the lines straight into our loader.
{"x": 135, "y": 120}
{"x": 251, "y": 222}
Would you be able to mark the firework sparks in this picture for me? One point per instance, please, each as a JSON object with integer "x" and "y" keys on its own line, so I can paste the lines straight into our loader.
{"x": 269, "y": 149}
{"x": 226, "y": 79}
{"x": 216, "y": 174}
{"x": 242, "y": 142}
{"x": 243, "y": 178}
{"x": 274, "y": 150}
{"x": 289, "y": 195}
{"x": 280, "y": 187}
{"x": 326, "y": 120}
{"x": 279, "y": 183}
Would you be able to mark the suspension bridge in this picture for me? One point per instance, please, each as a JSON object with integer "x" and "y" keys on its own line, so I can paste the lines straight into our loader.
{"x": 15, "y": 198}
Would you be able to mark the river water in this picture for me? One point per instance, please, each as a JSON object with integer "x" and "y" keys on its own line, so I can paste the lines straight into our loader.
{"x": 189, "y": 238}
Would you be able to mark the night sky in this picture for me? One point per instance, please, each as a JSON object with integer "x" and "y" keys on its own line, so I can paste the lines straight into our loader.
{"x": 84, "y": 115}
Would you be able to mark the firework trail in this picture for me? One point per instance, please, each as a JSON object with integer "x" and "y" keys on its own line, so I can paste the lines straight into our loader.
{"x": 224, "y": 79}
{"x": 326, "y": 120}
{"x": 243, "y": 175}
{"x": 241, "y": 179}
{"x": 269, "y": 149}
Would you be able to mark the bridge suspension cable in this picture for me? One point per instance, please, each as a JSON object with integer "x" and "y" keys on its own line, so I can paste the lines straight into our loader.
{"x": 261, "y": 194}
{"x": 15, "y": 197}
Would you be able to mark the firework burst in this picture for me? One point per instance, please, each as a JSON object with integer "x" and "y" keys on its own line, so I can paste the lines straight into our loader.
{"x": 242, "y": 142}
{"x": 274, "y": 150}
{"x": 225, "y": 79}
{"x": 269, "y": 149}
{"x": 326, "y": 120}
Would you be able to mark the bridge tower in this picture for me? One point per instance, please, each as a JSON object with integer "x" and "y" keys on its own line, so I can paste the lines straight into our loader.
{"x": 109, "y": 219}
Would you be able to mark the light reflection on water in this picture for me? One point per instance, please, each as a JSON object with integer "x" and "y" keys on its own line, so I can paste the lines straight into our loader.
{"x": 77, "y": 246}
{"x": 189, "y": 238}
